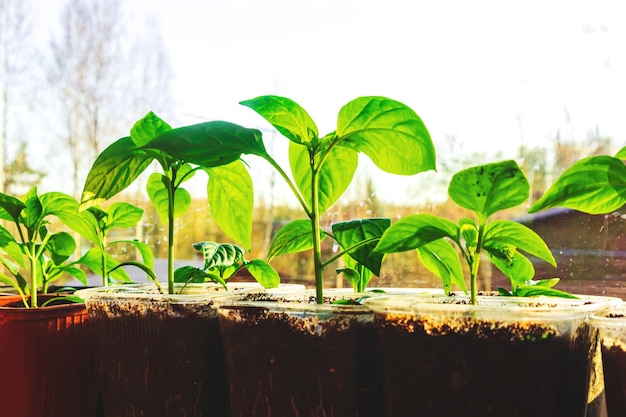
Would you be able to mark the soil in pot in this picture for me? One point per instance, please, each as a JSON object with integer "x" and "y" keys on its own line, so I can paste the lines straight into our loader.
{"x": 473, "y": 366}
{"x": 298, "y": 359}
{"x": 158, "y": 357}
{"x": 612, "y": 327}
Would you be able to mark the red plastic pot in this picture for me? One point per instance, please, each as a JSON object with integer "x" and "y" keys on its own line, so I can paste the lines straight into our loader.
{"x": 47, "y": 364}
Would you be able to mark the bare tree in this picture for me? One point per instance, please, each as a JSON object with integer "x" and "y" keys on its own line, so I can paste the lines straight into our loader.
{"x": 102, "y": 75}
{"x": 16, "y": 74}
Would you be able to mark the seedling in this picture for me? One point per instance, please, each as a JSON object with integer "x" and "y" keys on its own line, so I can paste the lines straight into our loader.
{"x": 222, "y": 261}
{"x": 485, "y": 190}
{"x": 43, "y": 255}
{"x": 151, "y": 139}
{"x": 322, "y": 167}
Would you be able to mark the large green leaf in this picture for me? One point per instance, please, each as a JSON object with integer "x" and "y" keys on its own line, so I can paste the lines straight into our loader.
{"x": 295, "y": 236}
{"x": 33, "y": 214}
{"x": 209, "y": 144}
{"x": 489, "y": 188}
{"x": 66, "y": 208}
{"x": 231, "y": 199}
{"x": 61, "y": 246}
{"x": 218, "y": 255}
{"x": 593, "y": 185}
{"x": 389, "y": 133}
{"x": 353, "y": 232}
{"x": 334, "y": 177}
{"x": 263, "y": 273}
{"x": 157, "y": 192}
{"x": 114, "y": 170}
{"x": 440, "y": 258}
{"x": 146, "y": 129}
{"x": 414, "y": 231}
{"x": 286, "y": 116}
{"x": 123, "y": 215}
{"x": 10, "y": 207}
{"x": 523, "y": 238}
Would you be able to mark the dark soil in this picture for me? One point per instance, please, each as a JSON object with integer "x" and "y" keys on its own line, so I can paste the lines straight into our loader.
{"x": 281, "y": 365}
{"x": 159, "y": 359}
{"x": 484, "y": 370}
{"x": 614, "y": 360}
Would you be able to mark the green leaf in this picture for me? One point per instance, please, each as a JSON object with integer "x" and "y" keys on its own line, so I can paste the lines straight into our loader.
{"x": 354, "y": 232}
{"x": 6, "y": 237}
{"x": 146, "y": 129}
{"x": 489, "y": 188}
{"x": 66, "y": 209}
{"x": 440, "y": 258}
{"x": 219, "y": 254}
{"x": 77, "y": 273}
{"x": 334, "y": 176}
{"x": 291, "y": 120}
{"x": 594, "y": 185}
{"x": 231, "y": 199}
{"x": 113, "y": 171}
{"x": 513, "y": 264}
{"x": 209, "y": 144}
{"x": 414, "y": 231}
{"x": 263, "y": 273}
{"x": 157, "y": 191}
{"x": 352, "y": 275}
{"x": 549, "y": 282}
{"x": 123, "y": 215}
{"x": 295, "y": 236}
{"x": 61, "y": 246}
{"x": 10, "y": 208}
{"x": 512, "y": 233}
{"x": 189, "y": 274}
{"x": 533, "y": 291}
{"x": 33, "y": 214}
{"x": 468, "y": 230}
{"x": 389, "y": 133}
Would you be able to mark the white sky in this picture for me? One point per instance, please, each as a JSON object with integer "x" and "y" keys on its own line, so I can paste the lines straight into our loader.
{"x": 495, "y": 74}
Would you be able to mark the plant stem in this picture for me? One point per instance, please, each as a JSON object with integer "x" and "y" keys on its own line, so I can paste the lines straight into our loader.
{"x": 33, "y": 276}
{"x": 171, "y": 191}
{"x": 475, "y": 264}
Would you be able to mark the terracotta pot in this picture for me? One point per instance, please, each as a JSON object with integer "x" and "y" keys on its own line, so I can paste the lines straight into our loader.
{"x": 46, "y": 360}
{"x": 159, "y": 355}
{"x": 506, "y": 356}
{"x": 287, "y": 356}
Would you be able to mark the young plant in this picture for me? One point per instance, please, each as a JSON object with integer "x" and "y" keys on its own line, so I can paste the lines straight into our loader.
{"x": 43, "y": 255}
{"x": 485, "y": 190}
{"x": 322, "y": 167}
{"x": 95, "y": 224}
{"x": 221, "y": 262}
{"x": 119, "y": 165}
{"x": 593, "y": 185}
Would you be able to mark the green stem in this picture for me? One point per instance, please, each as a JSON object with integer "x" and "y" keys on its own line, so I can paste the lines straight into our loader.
{"x": 33, "y": 275}
{"x": 350, "y": 249}
{"x": 317, "y": 241}
{"x": 170, "y": 238}
{"x": 475, "y": 264}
